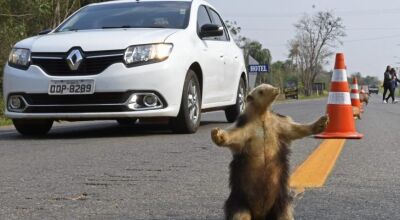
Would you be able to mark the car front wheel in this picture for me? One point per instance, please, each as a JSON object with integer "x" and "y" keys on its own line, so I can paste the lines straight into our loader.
{"x": 233, "y": 112}
{"x": 188, "y": 119}
{"x": 32, "y": 127}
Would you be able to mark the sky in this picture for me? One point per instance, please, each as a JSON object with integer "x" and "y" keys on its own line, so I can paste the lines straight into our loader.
{"x": 372, "y": 28}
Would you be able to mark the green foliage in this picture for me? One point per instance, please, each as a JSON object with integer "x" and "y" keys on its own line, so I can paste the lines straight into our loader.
{"x": 367, "y": 80}
{"x": 316, "y": 38}
{"x": 3, "y": 120}
{"x": 235, "y": 32}
{"x": 20, "y": 19}
{"x": 261, "y": 55}
{"x": 282, "y": 72}
{"x": 258, "y": 52}
{"x": 251, "y": 48}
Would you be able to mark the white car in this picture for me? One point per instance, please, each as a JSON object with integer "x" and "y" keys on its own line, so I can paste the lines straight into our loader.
{"x": 127, "y": 60}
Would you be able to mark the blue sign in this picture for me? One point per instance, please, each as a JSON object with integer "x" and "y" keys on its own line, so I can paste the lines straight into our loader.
{"x": 259, "y": 68}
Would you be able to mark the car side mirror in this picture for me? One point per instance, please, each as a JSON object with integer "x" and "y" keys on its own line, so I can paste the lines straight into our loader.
{"x": 46, "y": 31}
{"x": 211, "y": 30}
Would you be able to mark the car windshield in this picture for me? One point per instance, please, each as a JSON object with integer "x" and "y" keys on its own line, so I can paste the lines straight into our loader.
{"x": 130, "y": 15}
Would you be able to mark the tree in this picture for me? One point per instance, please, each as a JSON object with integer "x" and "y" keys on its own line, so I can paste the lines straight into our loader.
{"x": 367, "y": 80}
{"x": 315, "y": 38}
{"x": 235, "y": 32}
{"x": 282, "y": 73}
{"x": 250, "y": 47}
{"x": 358, "y": 77}
{"x": 20, "y": 19}
{"x": 371, "y": 80}
{"x": 259, "y": 53}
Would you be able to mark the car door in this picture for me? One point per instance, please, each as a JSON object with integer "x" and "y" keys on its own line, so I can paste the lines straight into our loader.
{"x": 233, "y": 69}
{"x": 211, "y": 60}
{"x": 229, "y": 73}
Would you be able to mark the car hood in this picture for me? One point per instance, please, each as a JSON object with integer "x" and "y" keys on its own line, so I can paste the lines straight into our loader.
{"x": 95, "y": 40}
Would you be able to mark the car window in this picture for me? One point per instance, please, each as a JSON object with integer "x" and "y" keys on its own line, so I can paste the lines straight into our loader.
{"x": 155, "y": 14}
{"x": 202, "y": 18}
{"x": 218, "y": 21}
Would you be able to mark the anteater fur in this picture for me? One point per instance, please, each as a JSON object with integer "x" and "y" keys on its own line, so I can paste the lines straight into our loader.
{"x": 259, "y": 171}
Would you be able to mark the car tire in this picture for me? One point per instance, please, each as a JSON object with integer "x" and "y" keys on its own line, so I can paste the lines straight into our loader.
{"x": 188, "y": 119}
{"x": 32, "y": 127}
{"x": 233, "y": 112}
{"x": 127, "y": 121}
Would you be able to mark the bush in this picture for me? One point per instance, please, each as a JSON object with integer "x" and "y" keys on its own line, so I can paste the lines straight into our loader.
{"x": 3, "y": 120}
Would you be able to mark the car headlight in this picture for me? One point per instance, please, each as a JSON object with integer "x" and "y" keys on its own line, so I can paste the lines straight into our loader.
{"x": 146, "y": 54}
{"x": 20, "y": 58}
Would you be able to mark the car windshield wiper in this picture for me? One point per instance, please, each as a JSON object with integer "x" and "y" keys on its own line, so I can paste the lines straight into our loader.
{"x": 156, "y": 26}
{"x": 128, "y": 26}
{"x": 111, "y": 27}
{"x": 69, "y": 29}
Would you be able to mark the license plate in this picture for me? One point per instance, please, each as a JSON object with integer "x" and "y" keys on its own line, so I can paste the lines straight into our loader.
{"x": 71, "y": 87}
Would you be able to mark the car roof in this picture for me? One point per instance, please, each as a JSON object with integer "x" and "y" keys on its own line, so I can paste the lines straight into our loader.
{"x": 200, "y": 2}
{"x": 126, "y": 1}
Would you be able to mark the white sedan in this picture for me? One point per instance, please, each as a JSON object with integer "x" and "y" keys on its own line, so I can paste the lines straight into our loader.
{"x": 127, "y": 60}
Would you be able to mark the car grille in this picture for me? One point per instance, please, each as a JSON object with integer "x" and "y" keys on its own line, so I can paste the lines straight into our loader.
{"x": 55, "y": 64}
{"x": 98, "y": 102}
{"x": 97, "y": 98}
{"x": 75, "y": 109}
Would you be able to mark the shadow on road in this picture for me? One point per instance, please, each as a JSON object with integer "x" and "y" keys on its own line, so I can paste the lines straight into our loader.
{"x": 103, "y": 130}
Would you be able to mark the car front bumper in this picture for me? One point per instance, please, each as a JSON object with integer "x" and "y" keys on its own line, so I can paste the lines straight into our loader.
{"x": 162, "y": 79}
{"x": 167, "y": 112}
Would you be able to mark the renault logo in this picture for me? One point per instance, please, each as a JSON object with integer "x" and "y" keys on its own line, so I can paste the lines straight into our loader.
{"x": 74, "y": 59}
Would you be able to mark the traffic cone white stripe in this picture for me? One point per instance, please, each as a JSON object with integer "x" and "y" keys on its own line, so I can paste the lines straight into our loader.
{"x": 354, "y": 86}
{"x": 339, "y": 75}
{"x": 339, "y": 98}
{"x": 355, "y": 96}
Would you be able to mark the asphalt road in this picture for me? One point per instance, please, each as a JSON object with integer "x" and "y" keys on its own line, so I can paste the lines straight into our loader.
{"x": 365, "y": 183}
{"x": 99, "y": 170}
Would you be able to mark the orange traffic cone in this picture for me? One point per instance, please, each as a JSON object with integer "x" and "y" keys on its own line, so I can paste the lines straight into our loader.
{"x": 354, "y": 95}
{"x": 341, "y": 121}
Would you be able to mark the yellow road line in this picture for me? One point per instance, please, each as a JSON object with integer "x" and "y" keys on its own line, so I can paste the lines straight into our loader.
{"x": 315, "y": 170}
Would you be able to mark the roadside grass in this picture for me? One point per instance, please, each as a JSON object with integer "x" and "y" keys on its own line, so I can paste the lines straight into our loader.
{"x": 3, "y": 121}
{"x": 314, "y": 96}
{"x": 281, "y": 97}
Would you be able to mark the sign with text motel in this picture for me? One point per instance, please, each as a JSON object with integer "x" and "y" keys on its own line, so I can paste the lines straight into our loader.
{"x": 259, "y": 68}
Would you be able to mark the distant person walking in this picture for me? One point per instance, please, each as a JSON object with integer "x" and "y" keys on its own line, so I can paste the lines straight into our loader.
{"x": 394, "y": 84}
{"x": 387, "y": 83}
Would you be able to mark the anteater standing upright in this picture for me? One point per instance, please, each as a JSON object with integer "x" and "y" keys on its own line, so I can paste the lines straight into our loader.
{"x": 259, "y": 171}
